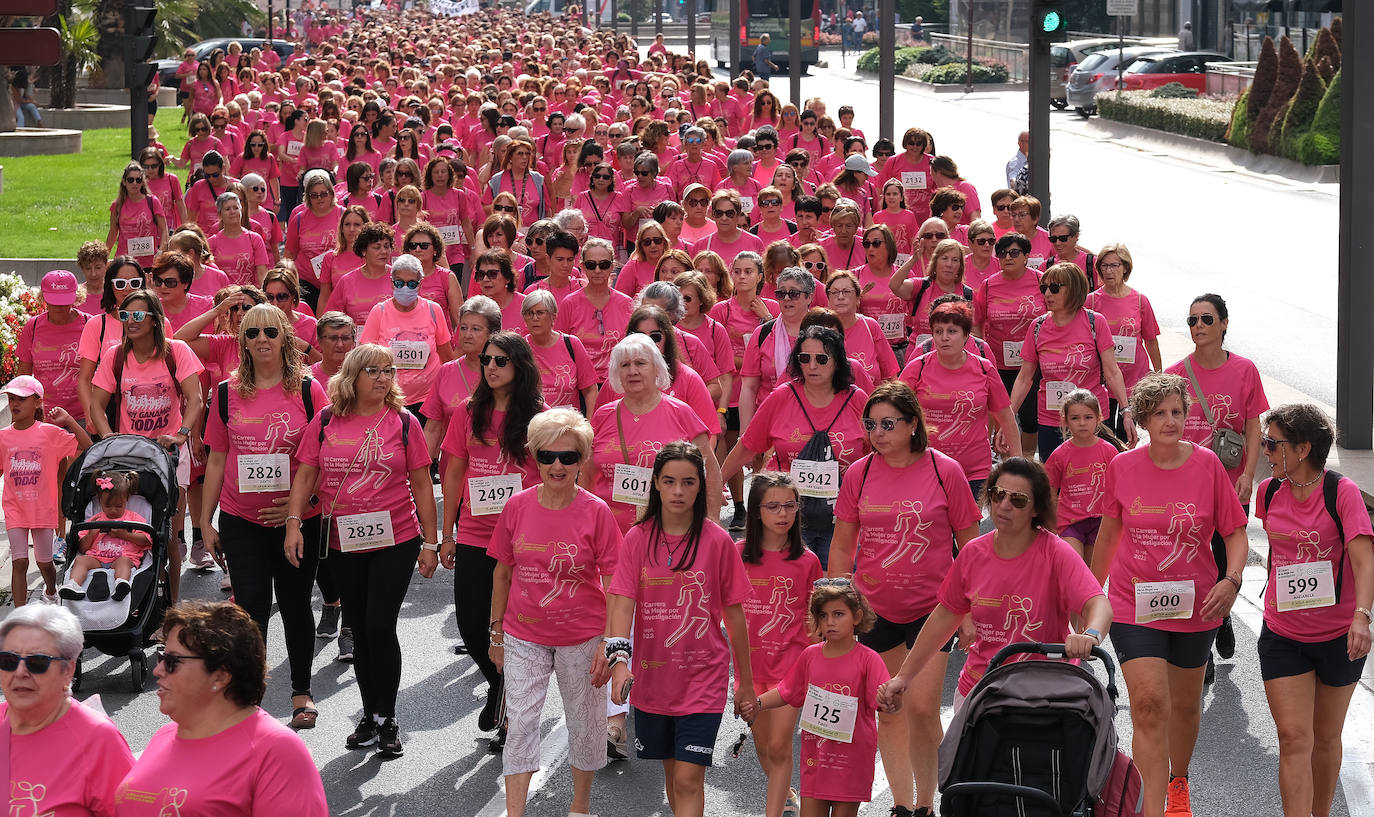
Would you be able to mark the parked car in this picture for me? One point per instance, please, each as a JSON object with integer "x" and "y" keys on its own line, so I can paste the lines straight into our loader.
{"x": 1188, "y": 68}
{"x": 167, "y": 69}
{"x": 1065, "y": 57}
{"x": 1098, "y": 72}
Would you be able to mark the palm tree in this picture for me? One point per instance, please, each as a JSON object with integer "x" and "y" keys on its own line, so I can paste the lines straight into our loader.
{"x": 179, "y": 22}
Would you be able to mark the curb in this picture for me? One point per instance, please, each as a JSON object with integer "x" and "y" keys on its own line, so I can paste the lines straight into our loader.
{"x": 948, "y": 88}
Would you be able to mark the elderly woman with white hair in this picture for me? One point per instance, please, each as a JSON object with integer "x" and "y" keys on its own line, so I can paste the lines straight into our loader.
{"x": 566, "y": 373}
{"x": 415, "y": 329}
{"x": 259, "y": 216}
{"x": 39, "y": 646}
{"x": 313, "y": 231}
{"x": 548, "y": 605}
{"x": 239, "y": 251}
{"x": 630, "y": 431}
{"x": 739, "y": 166}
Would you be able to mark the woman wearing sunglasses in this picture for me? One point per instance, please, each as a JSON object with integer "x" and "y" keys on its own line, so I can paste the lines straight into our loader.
{"x": 357, "y": 292}
{"x": 651, "y": 242}
{"x": 360, "y": 182}
{"x": 1165, "y": 589}
{"x": 241, "y": 253}
{"x": 488, "y": 463}
{"x": 1063, "y": 234}
{"x": 284, "y": 292}
{"x": 122, "y": 276}
{"x": 696, "y": 204}
{"x": 439, "y": 284}
{"x": 694, "y": 165}
{"x": 915, "y": 511}
{"x": 170, "y": 276}
{"x": 39, "y": 648}
{"x": 771, "y": 226}
{"x": 598, "y": 202}
{"x": 415, "y": 329}
{"x": 979, "y": 263}
{"x": 138, "y": 226}
{"x": 944, "y": 275}
{"x": 1003, "y": 308}
{"x": 596, "y": 314}
{"x": 258, "y": 158}
{"x": 1135, "y": 331}
{"x": 548, "y": 606}
{"x": 253, "y": 428}
{"x": 200, "y": 143}
{"x": 728, "y": 212}
{"x": 1036, "y": 581}
{"x": 257, "y": 215}
{"x": 162, "y": 184}
{"x": 360, "y": 148}
{"x": 312, "y": 231}
{"x": 219, "y": 349}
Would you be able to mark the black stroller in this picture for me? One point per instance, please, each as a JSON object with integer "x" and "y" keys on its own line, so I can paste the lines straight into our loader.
{"x": 123, "y": 627}
{"x": 1033, "y": 739}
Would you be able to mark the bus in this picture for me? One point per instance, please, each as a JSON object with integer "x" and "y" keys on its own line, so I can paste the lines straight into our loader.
{"x": 770, "y": 17}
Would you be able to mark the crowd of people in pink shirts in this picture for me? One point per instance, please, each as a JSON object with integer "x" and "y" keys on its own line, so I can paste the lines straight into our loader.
{"x": 588, "y": 294}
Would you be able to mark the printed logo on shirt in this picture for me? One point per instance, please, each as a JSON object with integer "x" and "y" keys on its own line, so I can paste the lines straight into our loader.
{"x": 1186, "y": 531}
{"x": 1020, "y": 623}
{"x": 26, "y": 469}
{"x": 779, "y": 606}
{"x": 909, "y": 528}
{"x": 563, "y": 572}
{"x": 281, "y": 434}
{"x": 694, "y": 600}
{"x": 1096, "y": 483}
{"x": 1308, "y": 543}
{"x": 370, "y": 463}
{"x": 148, "y": 406}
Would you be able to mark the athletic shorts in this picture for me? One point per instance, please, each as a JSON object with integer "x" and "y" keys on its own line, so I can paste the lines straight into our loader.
{"x": 1281, "y": 657}
{"x": 1184, "y": 650}
{"x": 687, "y": 738}
{"x": 731, "y": 419}
{"x": 1084, "y": 530}
{"x": 887, "y": 634}
{"x": 1028, "y": 417}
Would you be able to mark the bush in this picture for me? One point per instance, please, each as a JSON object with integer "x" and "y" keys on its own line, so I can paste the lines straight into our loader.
{"x": 1238, "y": 135}
{"x": 1173, "y": 90}
{"x": 957, "y": 74}
{"x": 868, "y": 61}
{"x": 1298, "y": 119}
{"x": 939, "y": 55}
{"x": 622, "y": 17}
{"x": 1263, "y": 130}
{"x": 1202, "y": 118}
{"x": 1321, "y": 145}
{"x": 901, "y": 58}
{"x": 1266, "y": 71}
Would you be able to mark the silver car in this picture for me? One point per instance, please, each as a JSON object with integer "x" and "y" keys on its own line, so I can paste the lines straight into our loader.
{"x": 1098, "y": 73}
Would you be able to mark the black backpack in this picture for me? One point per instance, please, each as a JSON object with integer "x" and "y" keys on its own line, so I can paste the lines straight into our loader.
{"x": 121, "y": 354}
{"x": 817, "y": 512}
{"x": 1329, "y": 483}
{"x": 307, "y": 399}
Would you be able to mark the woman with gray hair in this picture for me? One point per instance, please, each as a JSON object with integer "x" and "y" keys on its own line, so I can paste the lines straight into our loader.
{"x": 415, "y": 329}
{"x": 478, "y": 319}
{"x": 566, "y": 374}
{"x": 1064, "y": 238}
{"x": 769, "y": 351}
{"x": 739, "y": 167}
{"x": 258, "y": 215}
{"x": 569, "y": 544}
{"x": 39, "y": 648}
{"x": 668, "y": 297}
{"x": 572, "y": 221}
{"x": 241, "y": 253}
{"x": 313, "y": 231}
{"x": 637, "y": 201}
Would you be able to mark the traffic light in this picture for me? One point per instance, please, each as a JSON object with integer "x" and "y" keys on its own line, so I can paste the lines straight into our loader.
{"x": 140, "y": 41}
{"x": 1048, "y": 21}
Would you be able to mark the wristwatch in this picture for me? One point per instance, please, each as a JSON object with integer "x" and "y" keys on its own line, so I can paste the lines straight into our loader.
{"x": 184, "y": 431}
{"x": 1092, "y": 631}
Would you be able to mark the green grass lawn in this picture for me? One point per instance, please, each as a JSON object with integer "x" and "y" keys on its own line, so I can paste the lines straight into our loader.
{"x": 52, "y": 204}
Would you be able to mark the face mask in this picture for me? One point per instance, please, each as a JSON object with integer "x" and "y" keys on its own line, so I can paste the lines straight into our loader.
{"x": 405, "y": 296}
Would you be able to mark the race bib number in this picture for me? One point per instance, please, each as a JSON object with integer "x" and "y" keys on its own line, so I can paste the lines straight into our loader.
{"x": 1037, "y": 261}
{"x": 631, "y": 485}
{"x": 1056, "y": 391}
{"x": 748, "y": 202}
{"x": 264, "y": 473}
{"x": 141, "y": 246}
{"x": 1157, "y": 601}
{"x": 410, "y": 354}
{"x": 365, "y": 531}
{"x": 1305, "y": 586}
{"x": 892, "y": 324}
{"x": 1011, "y": 352}
{"x": 453, "y": 234}
{"x": 817, "y": 479}
{"x": 490, "y": 494}
{"x": 914, "y": 179}
{"x": 293, "y": 149}
{"x": 829, "y": 715}
{"x": 903, "y": 257}
{"x": 317, "y": 263}
{"x": 1124, "y": 348}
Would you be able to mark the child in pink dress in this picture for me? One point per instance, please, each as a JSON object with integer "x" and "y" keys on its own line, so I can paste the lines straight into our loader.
{"x": 1078, "y": 470}
{"x": 121, "y": 549}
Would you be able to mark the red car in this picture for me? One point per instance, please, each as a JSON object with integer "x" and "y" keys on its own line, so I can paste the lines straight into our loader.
{"x": 1188, "y": 68}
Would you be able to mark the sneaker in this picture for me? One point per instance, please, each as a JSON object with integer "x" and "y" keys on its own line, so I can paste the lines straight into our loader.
{"x": 121, "y": 590}
{"x": 199, "y": 557}
{"x": 329, "y": 622}
{"x": 345, "y": 646}
{"x": 737, "y": 517}
{"x": 617, "y": 743}
{"x": 1226, "y": 639}
{"x": 1176, "y": 803}
{"x": 50, "y": 598}
{"x": 364, "y": 735}
{"x": 498, "y": 743}
{"x": 71, "y": 591}
{"x": 225, "y": 585}
{"x": 389, "y": 739}
{"x": 487, "y": 718}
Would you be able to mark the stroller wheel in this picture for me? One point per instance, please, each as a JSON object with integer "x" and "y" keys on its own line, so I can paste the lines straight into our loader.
{"x": 138, "y": 663}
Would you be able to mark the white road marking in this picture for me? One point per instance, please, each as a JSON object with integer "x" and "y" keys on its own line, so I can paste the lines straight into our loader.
{"x": 553, "y": 748}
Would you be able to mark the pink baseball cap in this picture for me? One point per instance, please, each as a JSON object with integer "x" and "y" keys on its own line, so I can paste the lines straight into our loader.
{"x": 59, "y": 288}
{"x": 24, "y": 385}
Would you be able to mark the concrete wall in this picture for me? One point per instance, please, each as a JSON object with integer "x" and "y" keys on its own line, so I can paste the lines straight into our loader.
{"x": 26, "y": 142}
{"x": 87, "y": 117}
{"x": 32, "y": 270}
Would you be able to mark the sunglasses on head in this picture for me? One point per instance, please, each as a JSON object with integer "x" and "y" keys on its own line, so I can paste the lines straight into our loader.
{"x": 886, "y": 424}
{"x": 37, "y": 663}
{"x": 397, "y": 283}
{"x": 544, "y": 457}
{"x": 1018, "y": 499}
{"x": 137, "y": 315}
{"x": 1052, "y": 289}
{"x": 1207, "y": 319}
{"x": 270, "y": 331}
{"x": 598, "y": 265}
{"x": 499, "y": 360}
{"x": 805, "y": 358}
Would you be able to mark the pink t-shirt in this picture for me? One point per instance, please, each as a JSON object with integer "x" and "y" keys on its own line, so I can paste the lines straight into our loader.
{"x": 766, "y": 358}
{"x": 357, "y": 476}
{"x": 846, "y": 259}
{"x": 1072, "y": 353}
{"x": 30, "y": 459}
{"x": 150, "y": 402}
{"x": 777, "y": 611}
{"x": 728, "y": 250}
{"x": 200, "y": 204}
{"x": 270, "y": 422}
{"x": 831, "y": 770}
{"x": 906, "y": 520}
{"x": 1079, "y": 476}
{"x": 138, "y": 219}
{"x": 865, "y": 344}
{"x": 1028, "y": 598}
{"x": 52, "y": 350}
{"x": 97, "y": 336}
{"x": 716, "y": 340}
{"x": 484, "y": 458}
{"x": 1303, "y": 532}
{"x": 917, "y": 187}
{"x": 450, "y": 210}
{"x": 107, "y": 547}
{"x": 240, "y": 257}
{"x": 974, "y": 275}
{"x": 414, "y": 338}
{"x": 644, "y": 434}
{"x": 194, "y": 307}
{"x": 695, "y": 354}
{"x": 687, "y": 387}
{"x": 634, "y": 276}
{"x": 1004, "y": 309}
{"x": 1168, "y": 519}
{"x": 561, "y": 293}
{"x": 355, "y": 295}
{"x": 563, "y": 376}
{"x": 918, "y": 323}
{"x": 557, "y": 559}
{"x": 48, "y": 778}
{"x": 903, "y": 225}
{"x": 335, "y": 265}
{"x": 781, "y": 424}
{"x": 767, "y": 236}
{"x": 680, "y": 649}
{"x": 453, "y": 383}
{"x": 683, "y": 171}
{"x": 603, "y": 219}
{"x": 741, "y": 324}
{"x": 1130, "y": 316}
{"x": 598, "y": 329}
{"x": 1234, "y": 393}
{"x": 210, "y": 281}
{"x": 167, "y": 190}
{"x": 255, "y": 767}
{"x": 957, "y": 403}
{"x": 310, "y": 237}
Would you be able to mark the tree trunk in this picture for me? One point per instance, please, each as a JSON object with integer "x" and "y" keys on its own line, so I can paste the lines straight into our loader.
{"x": 109, "y": 18}
{"x": 8, "y": 122}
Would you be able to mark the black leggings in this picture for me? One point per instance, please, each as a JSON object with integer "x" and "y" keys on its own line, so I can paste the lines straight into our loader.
{"x": 324, "y": 577}
{"x": 472, "y": 576}
{"x": 258, "y": 565}
{"x": 373, "y": 585}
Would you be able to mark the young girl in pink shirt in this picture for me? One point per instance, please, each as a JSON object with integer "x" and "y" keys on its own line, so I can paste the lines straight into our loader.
{"x": 1078, "y": 470}
{"x": 836, "y": 685}
{"x": 121, "y": 549}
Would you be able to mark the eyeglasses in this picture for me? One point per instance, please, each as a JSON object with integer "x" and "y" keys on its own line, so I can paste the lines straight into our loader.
{"x": 503, "y": 208}
{"x": 172, "y": 661}
{"x": 136, "y": 316}
{"x": 418, "y": 245}
{"x": 886, "y": 424}
{"x": 1001, "y": 208}
{"x": 499, "y": 360}
{"x": 1270, "y": 444}
{"x": 237, "y": 308}
{"x": 133, "y": 180}
{"x": 1052, "y": 289}
{"x": 397, "y": 283}
{"x": 343, "y": 338}
{"x": 1060, "y": 239}
{"x": 406, "y": 173}
{"x": 1207, "y": 319}
{"x": 779, "y": 507}
{"x": 696, "y": 202}
{"x": 602, "y": 177}
{"x": 644, "y": 174}
{"x": 258, "y": 189}
{"x": 805, "y": 358}
{"x": 764, "y": 146}
{"x": 483, "y": 274}
{"x": 770, "y": 202}
{"x": 37, "y": 663}
{"x": 693, "y": 140}
{"x": 1111, "y": 265}
{"x": 566, "y": 457}
{"x": 1018, "y": 499}
{"x": 153, "y": 166}
{"x": 799, "y": 163}
{"x": 656, "y": 336}
{"x": 321, "y": 196}
{"x": 536, "y": 314}
{"x": 121, "y": 284}
{"x": 378, "y": 372}
{"x": 653, "y": 240}
{"x": 825, "y": 209}
{"x": 271, "y": 332}
{"x": 866, "y": 244}
{"x": 789, "y": 294}
{"x": 598, "y": 265}
{"x": 724, "y": 213}
{"x": 1020, "y": 214}
{"x": 934, "y": 236}
{"x": 1009, "y": 252}
{"x": 280, "y": 297}
{"x": 407, "y": 201}
{"x": 985, "y": 242}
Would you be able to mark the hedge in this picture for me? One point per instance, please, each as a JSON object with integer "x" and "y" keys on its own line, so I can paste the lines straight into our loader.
{"x": 957, "y": 73}
{"x": 1200, "y": 118}
{"x": 901, "y": 58}
{"x": 1321, "y": 145}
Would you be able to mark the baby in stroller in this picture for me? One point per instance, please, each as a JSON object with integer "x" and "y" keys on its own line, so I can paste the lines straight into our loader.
{"x": 121, "y": 550}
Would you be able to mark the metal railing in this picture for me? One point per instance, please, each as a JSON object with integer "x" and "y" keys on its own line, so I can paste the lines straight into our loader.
{"x": 1015, "y": 56}
{"x": 1229, "y": 78}
{"x": 1248, "y": 39}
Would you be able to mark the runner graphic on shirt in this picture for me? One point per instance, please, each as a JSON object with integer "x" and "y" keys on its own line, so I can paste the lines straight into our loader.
{"x": 1186, "y": 531}
{"x": 1019, "y": 610}
{"x": 373, "y": 466}
{"x": 908, "y": 528}
{"x": 563, "y": 568}
{"x": 961, "y": 414}
{"x": 1309, "y": 546}
{"x": 780, "y": 600}
{"x": 1097, "y": 484}
{"x": 692, "y": 599}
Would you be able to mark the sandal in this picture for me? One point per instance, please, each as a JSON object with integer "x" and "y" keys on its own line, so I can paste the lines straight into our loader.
{"x": 303, "y": 717}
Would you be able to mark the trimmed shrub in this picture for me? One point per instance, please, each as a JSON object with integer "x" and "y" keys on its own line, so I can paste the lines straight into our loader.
{"x": 1263, "y": 133}
{"x": 1325, "y": 70}
{"x": 1321, "y": 145}
{"x": 1336, "y": 30}
{"x": 1301, "y": 111}
{"x": 1238, "y": 134}
{"x": 1173, "y": 90}
{"x": 1202, "y": 118}
{"x": 1326, "y": 46}
{"x": 957, "y": 74}
{"x": 901, "y": 58}
{"x": 939, "y": 55}
{"x": 1266, "y": 71}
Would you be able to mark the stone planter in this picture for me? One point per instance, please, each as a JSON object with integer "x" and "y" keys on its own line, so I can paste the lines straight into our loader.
{"x": 40, "y": 142}
{"x": 86, "y": 117}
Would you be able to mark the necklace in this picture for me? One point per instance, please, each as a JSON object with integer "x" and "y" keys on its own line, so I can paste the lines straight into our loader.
{"x": 1308, "y": 484}
{"x": 672, "y": 551}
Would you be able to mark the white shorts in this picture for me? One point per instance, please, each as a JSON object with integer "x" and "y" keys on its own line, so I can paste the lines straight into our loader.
{"x": 184, "y": 466}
